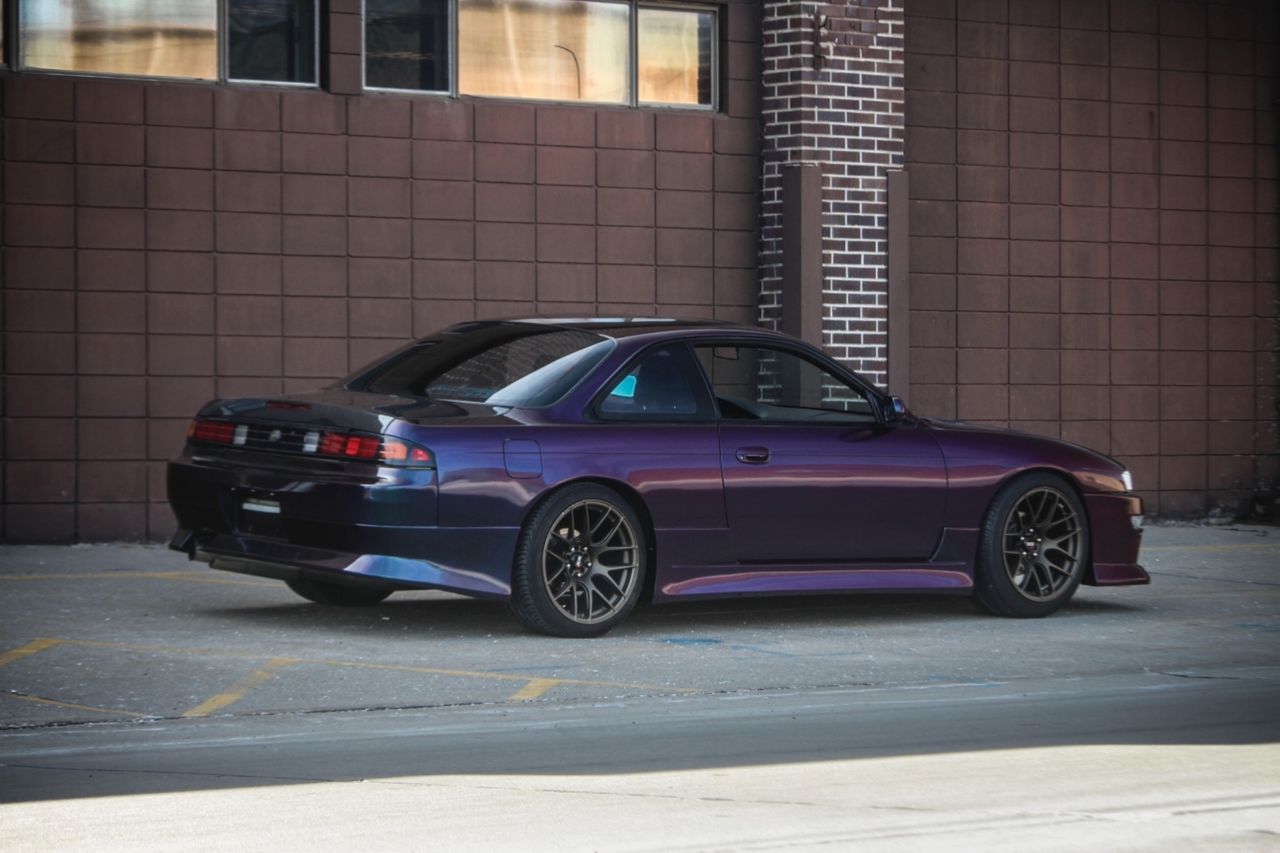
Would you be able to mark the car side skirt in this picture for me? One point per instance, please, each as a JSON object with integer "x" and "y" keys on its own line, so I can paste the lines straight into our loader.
{"x": 806, "y": 578}
{"x": 949, "y": 571}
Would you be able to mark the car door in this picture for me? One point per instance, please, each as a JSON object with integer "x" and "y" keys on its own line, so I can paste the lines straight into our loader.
{"x": 811, "y": 474}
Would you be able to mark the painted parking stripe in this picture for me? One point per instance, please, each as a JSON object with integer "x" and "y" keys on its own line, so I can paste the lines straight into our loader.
{"x": 534, "y": 689}
{"x": 241, "y": 688}
{"x": 29, "y": 649}
{"x": 74, "y": 706}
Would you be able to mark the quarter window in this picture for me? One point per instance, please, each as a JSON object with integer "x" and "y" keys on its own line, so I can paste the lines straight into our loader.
{"x": 663, "y": 385}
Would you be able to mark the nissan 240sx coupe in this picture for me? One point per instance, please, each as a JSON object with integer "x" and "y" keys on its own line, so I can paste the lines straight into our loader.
{"x": 572, "y": 467}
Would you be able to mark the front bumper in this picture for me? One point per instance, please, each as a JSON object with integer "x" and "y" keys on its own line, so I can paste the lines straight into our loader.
{"x": 1116, "y": 540}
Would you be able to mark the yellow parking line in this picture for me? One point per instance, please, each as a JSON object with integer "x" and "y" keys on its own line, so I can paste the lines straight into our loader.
{"x": 240, "y": 689}
{"x": 191, "y": 577}
{"x": 29, "y": 649}
{"x": 393, "y": 667}
{"x": 40, "y": 700}
{"x": 535, "y": 688}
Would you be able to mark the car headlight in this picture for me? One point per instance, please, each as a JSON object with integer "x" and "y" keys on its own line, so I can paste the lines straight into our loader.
{"x": 1127, "y": 479}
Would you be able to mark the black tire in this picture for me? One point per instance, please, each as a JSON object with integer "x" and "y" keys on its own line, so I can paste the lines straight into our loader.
{"x": 580, "y": 563}
{"x": 337, "y": 595}
{"x": 1034, "y": 547}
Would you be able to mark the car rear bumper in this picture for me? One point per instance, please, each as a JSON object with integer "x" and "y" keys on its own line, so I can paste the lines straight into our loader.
{"x": 471, "y": 561}
{"x": 1116, "y": 540}
{"x": 341, "y": 524}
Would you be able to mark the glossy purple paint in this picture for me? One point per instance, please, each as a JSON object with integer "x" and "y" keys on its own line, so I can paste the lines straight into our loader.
{"x": 892, "y": 505}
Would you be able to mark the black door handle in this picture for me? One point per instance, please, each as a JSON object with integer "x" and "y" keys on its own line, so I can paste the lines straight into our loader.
{"x": 753, "y": 455}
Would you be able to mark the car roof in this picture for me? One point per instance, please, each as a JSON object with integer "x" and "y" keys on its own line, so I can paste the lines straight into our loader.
{"x": 614, "y": 327}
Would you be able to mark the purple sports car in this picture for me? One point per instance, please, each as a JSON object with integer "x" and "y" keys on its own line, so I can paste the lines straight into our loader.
{"x": 572, "y": 467}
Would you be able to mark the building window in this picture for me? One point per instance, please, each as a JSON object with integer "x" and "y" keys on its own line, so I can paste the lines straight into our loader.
{"x": 676, "y": 56}
{"x": 590, "y": 51}
{"x": 265, "y": 40}
{"x": 271, "y": 40}
{"x": 135, "y": 37}
{"x": 550, "y": 50}
{"x": 406, "y": 44}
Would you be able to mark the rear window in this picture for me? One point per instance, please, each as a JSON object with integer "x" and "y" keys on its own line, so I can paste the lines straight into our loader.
{"x": 500, "y": 367}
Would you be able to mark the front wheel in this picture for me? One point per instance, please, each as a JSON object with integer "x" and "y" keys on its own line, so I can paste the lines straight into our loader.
{"x": 580, "y": 563}
{"x": 1034, "y": 548}
{"x": 337, "y": 595}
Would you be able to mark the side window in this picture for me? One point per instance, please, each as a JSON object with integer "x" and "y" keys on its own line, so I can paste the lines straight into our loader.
{"x": 760, "y": 383}
{"x": 663, "y": 385}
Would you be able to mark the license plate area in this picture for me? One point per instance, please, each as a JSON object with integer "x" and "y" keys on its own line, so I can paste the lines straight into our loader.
{"x": 260, "y": 516}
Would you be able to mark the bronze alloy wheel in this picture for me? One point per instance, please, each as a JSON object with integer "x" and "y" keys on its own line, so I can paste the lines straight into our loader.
{"x": 1042, "y": 544}
{"x": 591, "y": 561}
{"x": 1034, "y": 547}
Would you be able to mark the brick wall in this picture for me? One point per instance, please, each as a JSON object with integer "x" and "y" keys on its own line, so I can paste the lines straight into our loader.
{"x": 165, "y": 244}
{"x": 1093, "y": 232}
{"x": 847, "y": 117}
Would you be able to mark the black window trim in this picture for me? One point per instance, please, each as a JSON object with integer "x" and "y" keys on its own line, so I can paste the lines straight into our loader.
{"x": 818, "y": 359}
{"x": 707, "y": 394}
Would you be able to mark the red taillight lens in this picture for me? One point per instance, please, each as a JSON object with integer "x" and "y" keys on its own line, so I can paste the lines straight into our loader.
{"x": 335, "y": 445}
{"x": 213, "y": 432}
{"x": 361, "y": 447}
{"x": 397, "y": 452}
{"x": 371, "y": 448}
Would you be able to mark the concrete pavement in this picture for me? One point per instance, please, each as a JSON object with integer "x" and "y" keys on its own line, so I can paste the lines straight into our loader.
{"x": 137, "y": 690}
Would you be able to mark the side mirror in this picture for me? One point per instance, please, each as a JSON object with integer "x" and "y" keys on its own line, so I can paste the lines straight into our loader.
{"x": 895, "y": 410}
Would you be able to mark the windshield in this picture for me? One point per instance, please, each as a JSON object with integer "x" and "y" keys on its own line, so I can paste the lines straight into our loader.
{"x": 519, "y": 368}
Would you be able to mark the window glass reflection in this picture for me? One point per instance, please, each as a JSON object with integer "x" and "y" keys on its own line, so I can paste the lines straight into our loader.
{"x": 556, "y": 50}
{"x": 271, "y": 40}
{"x": 675, "y": 49}
{"x": 156, "y": 38}
{"x": 407, "y": 44}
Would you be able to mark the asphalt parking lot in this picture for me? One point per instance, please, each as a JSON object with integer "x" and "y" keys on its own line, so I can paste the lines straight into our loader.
{"x": 137, "y": 689}
{"x": 118, "y": 632}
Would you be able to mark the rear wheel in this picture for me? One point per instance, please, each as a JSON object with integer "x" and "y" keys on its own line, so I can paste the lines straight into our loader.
{"x": 337, "y": 595}
{"x": 1034, "y": 548}
{"x": 580, "y": 563}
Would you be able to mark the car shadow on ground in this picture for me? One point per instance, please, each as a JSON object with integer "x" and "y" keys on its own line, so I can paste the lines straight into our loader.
{"x": 463, "y": 617}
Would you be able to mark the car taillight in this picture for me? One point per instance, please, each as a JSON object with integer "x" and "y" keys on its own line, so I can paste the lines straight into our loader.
{"x": 371, "y": 448}
{"x": 213, "y": 432}
{"x": 335, "y": 445}
{"x": 397, "y": 452}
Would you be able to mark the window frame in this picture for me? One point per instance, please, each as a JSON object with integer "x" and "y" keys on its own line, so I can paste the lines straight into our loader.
{"x": 13, "y": 48}
{"x": 633, "y": 65}
{"x": 875, "y": 400}
{"x": 707, "y": 397}
{"x": 451, "y": 26}
{"x": 715, "y": 11}
{"x": 224, "y": 51}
